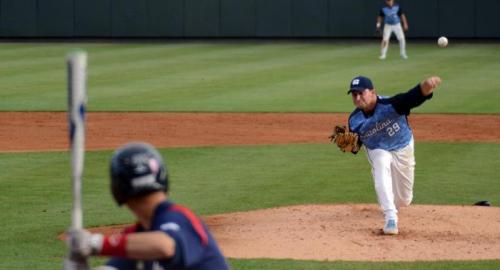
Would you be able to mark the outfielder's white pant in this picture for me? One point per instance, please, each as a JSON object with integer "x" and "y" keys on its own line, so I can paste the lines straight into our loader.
{"x": 393, "y": 176}
{"x": 398, "y": 31}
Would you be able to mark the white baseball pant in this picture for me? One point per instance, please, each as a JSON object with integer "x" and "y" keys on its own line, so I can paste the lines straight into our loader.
{"x": 393, "y": 176}
{"x": 400, "y": 35}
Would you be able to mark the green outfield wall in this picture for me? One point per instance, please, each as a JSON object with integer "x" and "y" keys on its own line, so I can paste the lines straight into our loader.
{"x": 241, "y": 18}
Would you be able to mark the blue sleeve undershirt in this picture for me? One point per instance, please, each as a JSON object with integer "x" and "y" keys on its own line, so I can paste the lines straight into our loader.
{"x": 404, "y": 102}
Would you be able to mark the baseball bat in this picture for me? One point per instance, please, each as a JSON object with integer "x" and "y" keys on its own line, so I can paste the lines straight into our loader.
{"x": 77, "y": 100}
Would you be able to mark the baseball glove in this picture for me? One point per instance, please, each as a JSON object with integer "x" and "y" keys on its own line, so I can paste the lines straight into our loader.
{"x": 347, "y": 141}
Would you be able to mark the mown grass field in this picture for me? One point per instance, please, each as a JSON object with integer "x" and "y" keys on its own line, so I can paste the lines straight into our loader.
{"x": 242, "y": 76}
{"x": 246, "y": 76}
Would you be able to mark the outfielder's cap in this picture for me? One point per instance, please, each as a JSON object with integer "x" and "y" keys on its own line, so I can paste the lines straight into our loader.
{"x": 359, "y": 84}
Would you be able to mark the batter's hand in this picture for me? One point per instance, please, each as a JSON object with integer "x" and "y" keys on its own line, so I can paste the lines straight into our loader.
{"x": 104, "y": 267}
{"x": 428, "y": 85}
{"x": 84, "y": 243}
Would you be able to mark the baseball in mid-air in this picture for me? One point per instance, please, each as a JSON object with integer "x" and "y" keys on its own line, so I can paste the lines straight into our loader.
{"x": 442, "y": 42}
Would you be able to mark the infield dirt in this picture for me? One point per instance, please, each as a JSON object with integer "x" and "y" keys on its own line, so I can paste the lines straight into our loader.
{"x": 47, "y": 131}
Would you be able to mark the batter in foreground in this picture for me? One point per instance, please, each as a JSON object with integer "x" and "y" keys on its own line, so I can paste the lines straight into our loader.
{"x": 381, "y": 124}
{"x": 166, "y": 235}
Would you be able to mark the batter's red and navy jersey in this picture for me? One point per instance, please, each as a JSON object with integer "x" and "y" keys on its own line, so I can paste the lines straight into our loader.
{"x": 387, "y": 126}
{"x": 195, "y": 247}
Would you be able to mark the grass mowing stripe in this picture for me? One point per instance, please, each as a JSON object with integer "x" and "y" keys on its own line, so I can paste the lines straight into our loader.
{"x": 246, "y": 76}
{"x": 252, "y": 72}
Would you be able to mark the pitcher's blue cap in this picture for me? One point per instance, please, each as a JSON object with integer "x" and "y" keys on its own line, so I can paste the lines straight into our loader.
{"x": 359, "y": 84}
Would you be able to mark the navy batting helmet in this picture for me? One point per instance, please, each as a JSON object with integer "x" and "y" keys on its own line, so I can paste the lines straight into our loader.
{"x": 137, "y": 169}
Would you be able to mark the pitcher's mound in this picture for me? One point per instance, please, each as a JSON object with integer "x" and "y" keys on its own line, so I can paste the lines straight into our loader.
{"x": 353, "y": 232}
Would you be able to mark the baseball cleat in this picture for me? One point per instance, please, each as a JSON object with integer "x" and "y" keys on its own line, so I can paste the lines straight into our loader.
{"x": 404, "y": 56}
{"x": 391, "y": 227}
{"x": 382, "y": 57}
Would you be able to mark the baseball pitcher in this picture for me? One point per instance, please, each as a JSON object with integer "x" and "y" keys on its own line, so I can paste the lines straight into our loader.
{"x": 381, "y": 125}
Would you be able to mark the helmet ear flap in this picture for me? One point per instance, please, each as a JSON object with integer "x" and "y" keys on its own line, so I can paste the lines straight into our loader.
{"x": 137, "y": 169}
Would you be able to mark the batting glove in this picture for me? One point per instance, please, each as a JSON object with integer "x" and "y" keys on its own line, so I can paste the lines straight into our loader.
{"x": 84, "y": 243}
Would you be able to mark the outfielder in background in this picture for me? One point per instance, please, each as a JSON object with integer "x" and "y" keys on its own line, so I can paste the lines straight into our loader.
{"x": 381, "y": 124}
{"x": 166, "y": 236}
{"x": 392, "y": 15}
